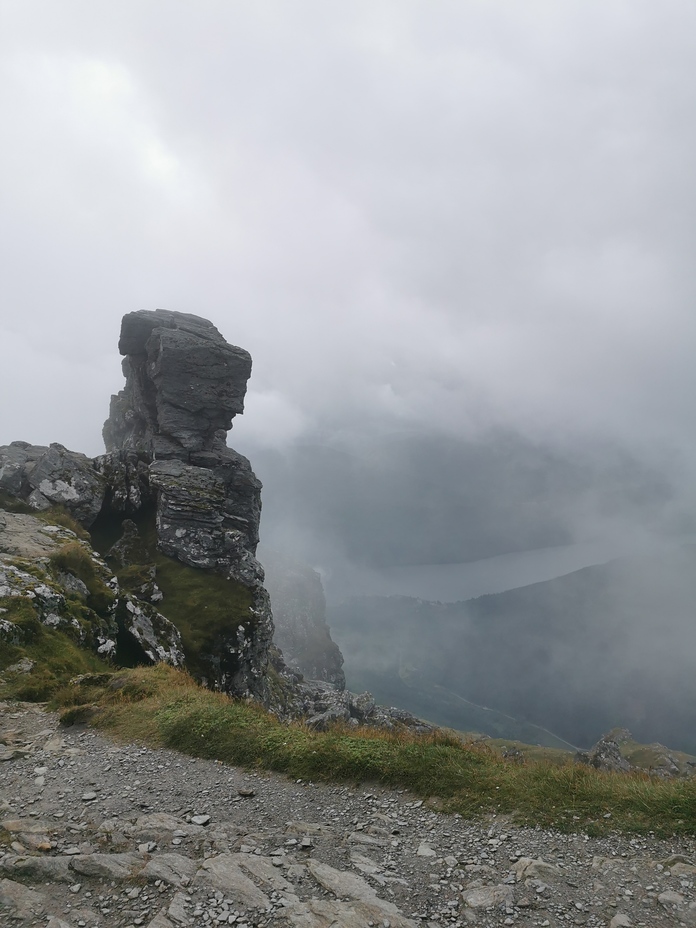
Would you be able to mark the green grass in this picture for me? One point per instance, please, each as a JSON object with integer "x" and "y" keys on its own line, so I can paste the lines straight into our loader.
{"x": 75, "y": 559}
{"x": 162, "y": 706}
{"x": 57, "y": 658}
{"x": 205, "y": 607}
{"x": 59, "y": 515}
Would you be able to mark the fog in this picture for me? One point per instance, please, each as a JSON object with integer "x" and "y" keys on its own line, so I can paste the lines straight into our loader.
{"x": 457, "y": 240}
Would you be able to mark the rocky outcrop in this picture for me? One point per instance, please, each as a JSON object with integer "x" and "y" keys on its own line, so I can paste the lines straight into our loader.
{"x": 50, "y": 579}
{"x": 165, "y": 440}
{"x": 52, "y": 476}
{"x": 184, "y": 385}
{"x": 617, "y": 752}
{"x": 168, "y": 468}
{"x": 606, "y": 753}
{"x": 299, "y": 615}
{"x": 175, "y": 513}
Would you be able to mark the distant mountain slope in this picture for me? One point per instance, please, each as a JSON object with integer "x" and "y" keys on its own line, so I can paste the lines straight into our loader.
{"x": 427, "y": 498}
{"x": 412, "y": 692}
{"x": 608, "y": 645}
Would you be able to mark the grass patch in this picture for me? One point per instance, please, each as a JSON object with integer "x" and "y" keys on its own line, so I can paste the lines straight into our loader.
{"x": 164, "y": 707}
{"x": 12, "y": 504}
{"x": 58, "y": 515}
{"x": 75, "y": 559}
{"x": 56, "y": 659}
{"x": 205, "y": 607}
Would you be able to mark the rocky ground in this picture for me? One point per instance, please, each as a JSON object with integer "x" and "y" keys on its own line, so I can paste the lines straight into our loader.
{"x": 95, "y": 834}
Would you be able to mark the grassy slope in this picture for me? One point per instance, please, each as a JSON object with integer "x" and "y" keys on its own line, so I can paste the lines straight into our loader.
{"x": 203, "y": 605}
{"x": 162, "y": 706}
{"x": 444, "y": 706}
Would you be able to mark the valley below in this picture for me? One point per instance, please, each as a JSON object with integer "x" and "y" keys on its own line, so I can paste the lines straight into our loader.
{"x": 571, "y": 657}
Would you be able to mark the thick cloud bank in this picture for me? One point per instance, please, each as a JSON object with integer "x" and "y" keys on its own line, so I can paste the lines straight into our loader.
{"x": 409, "y": 213}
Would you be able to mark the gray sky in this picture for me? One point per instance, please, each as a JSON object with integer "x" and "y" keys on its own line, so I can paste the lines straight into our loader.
{"x": 452, "y": 213}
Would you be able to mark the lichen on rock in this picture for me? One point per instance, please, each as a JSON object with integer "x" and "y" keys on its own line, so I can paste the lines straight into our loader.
{"x": 165, "y": 440}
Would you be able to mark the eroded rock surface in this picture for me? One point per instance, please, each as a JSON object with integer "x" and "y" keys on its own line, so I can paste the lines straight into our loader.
{"x": 184, "y": 385}
{"x": 166, "y": 441}
{"x": 95, "y": 834}
{"x": 36, "y": 584}
{"x": 49, "y": 476}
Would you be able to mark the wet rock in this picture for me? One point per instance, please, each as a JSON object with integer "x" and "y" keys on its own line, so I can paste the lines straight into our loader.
{"x": 52, "y": 476}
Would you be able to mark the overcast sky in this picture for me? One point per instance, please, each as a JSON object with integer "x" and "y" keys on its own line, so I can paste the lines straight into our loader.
{"x": 411, "y": 213}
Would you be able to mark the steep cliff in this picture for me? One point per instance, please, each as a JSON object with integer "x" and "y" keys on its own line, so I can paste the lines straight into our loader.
{"x": 174, "y": 511}
{"x": 299, "y": 615}
{"x": 168, "y": 571}
{"x": 167, "y": 459}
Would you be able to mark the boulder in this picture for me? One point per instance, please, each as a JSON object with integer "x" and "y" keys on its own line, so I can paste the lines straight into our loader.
{"x": 184, "y": 385}
{"x": 52, "y": 476}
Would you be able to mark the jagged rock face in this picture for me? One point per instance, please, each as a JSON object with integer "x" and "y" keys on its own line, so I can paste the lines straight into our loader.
{"x": 32, "y": 576}
{"x": 299, "y": 613}
{"x": 127, "y": 478}
{"x": 48, "y": 476}
{"x": 184, "y": 385}
{"x": 165, "y": 440}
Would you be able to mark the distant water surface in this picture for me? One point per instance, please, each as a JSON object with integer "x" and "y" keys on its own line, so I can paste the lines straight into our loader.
{"x": 450, "y": 583}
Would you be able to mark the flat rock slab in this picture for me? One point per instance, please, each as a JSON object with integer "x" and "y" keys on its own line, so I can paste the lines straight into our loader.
{"x": 19, "y": 902}
{"x": 345, "y": 884}
{"x": 109, "y": 866}
{"x": 488, "y": 897}
{"x": 171, "y": 868}
{"x": 224, "y": 873}
{"x": 318, "y": 913}
{"x": 43, "y": 869}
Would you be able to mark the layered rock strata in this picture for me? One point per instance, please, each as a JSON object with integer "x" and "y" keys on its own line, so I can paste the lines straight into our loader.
{"x": 184, "y": 385}
{"x": 168, "y": 468}
{"x": 184, "y": 505}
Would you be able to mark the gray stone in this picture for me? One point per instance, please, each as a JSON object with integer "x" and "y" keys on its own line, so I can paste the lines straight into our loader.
{"x": 527, "y": 868}
{"x": 110, "y": 866}
{"x": 224, "y": 873}
{"x": 346, "y": 885}
{"x": 606, "y": 753}
{"x": 488, "y": 897}
{"x": 172, "y": 868}
{"x": 670, "y": 898}
{"x": 620, "y": 920}
{"x": 184, "y": 385}
{"x": 158, "y": 638}
{"x": 20, "y": 902}
{"x": 424, "y": 850}
{"x": 47, "y": 476}
{"x": 55, "y": 869}
{"x": 160, "y": 921}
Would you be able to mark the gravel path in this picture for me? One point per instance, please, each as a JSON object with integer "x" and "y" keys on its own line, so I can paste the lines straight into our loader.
{"x": 95, "y": 834}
